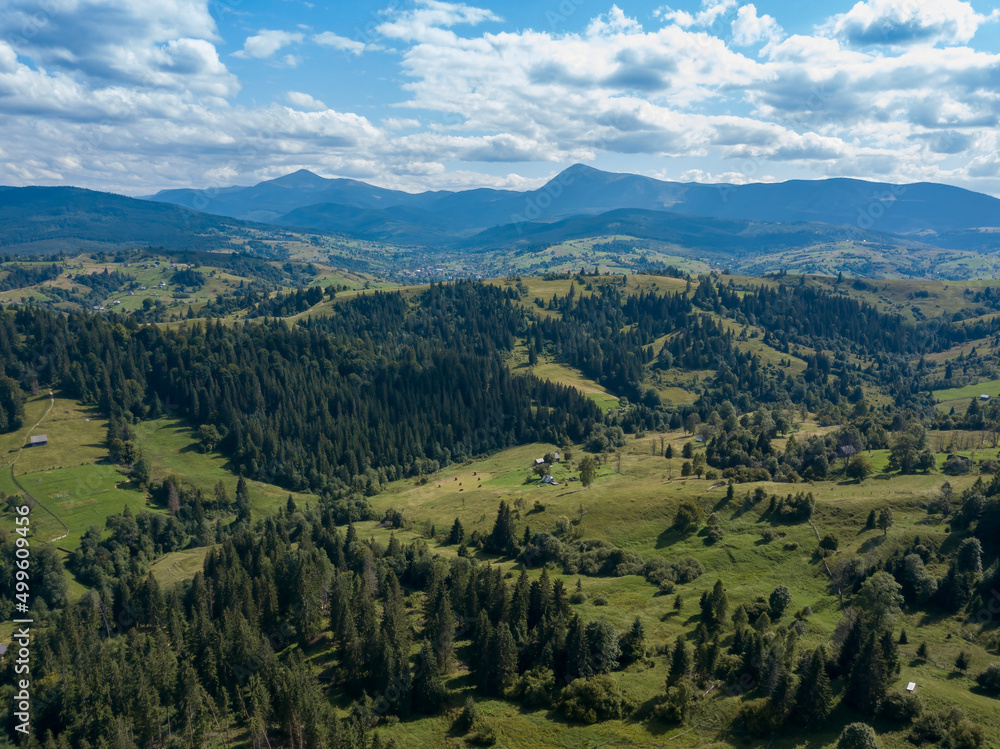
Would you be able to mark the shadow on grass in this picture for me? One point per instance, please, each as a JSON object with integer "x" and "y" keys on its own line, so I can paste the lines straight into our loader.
{"x": 720, "y": 504}
{"x": 871, "y": 544}
{"x": 669, "y": 537}
{"x": 981, "y": 692}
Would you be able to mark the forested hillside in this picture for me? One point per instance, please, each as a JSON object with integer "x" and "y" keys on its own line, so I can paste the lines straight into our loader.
{"x": 773, "y": 528}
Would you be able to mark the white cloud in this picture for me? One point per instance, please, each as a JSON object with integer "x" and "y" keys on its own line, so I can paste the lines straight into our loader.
{"x": 613, "y": 22}
{"x": 749, "y": 28}
{"x": 266, "y": 42}
{"x": 902, "y": 22}
{"x": 160, "y": 43}
{"x": 329, "y": 39}
{"x": 710, "y": 13}
{"x": 135, "y": 97}
{"x": 304, "y": 101}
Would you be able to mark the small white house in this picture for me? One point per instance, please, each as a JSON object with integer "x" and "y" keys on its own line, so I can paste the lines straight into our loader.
{"x": 984, "y": 397}
{"x": 539, "y": 461}
{"x": 911, "y": 687}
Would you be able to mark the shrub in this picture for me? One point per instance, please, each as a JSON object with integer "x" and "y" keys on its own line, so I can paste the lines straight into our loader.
{"x": 600, "y": 600}
{"x": 680, "y": 571}
{"x": 591, "y": 700}
{"x": 949, "y": 727}
{"x": 469, "y": 717}
{"x": 679, "y": 703}
{"x": 759, "y": 716}
{"x": 858, "y": 736}
{"x": 779, "y": 600}
{"x": 534, "y": 687}
{"x": 990, "y": 678}
{"x": 484, "y": 734}
{"x": 688, "y": 517}
{"x": 901, "y": 707}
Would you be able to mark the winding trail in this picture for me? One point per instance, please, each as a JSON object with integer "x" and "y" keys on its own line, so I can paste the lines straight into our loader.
{"x": 29, "y": 495}
{"x": 829, "y": 573}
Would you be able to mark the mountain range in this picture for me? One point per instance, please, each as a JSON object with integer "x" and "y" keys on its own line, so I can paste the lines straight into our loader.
{"x": 925, "y": 213}
{"x": 721, "y": 222}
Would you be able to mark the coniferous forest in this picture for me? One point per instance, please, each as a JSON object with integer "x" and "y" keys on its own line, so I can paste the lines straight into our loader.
{"x": 297, "y": 629}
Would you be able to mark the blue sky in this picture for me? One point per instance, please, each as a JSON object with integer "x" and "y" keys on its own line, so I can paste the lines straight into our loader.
{"x": 136, "y": 97}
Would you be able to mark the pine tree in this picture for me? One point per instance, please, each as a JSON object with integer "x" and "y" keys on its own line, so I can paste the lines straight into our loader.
{"x": 502, "y": 539}
{"x": 851, "y": 645}
{"x": 680, "y": 662}
{"x": 813, "y": 698}
{"x": 504, "y": 658}
{"x": 457, "y": 534}
{"x": 429, "y": 692}
{"x": 962, "y": 662}
{"x": 221, "y": 496}
{"x": 634, "y": 643}
{"x": 540, "y": 600}
{"x": 444, "y": 637}
{"x": 869, "y": 680}
{"x": 242, "y": 501}
{"x": 578, "y": 663}
{"x": 890, "y": 654}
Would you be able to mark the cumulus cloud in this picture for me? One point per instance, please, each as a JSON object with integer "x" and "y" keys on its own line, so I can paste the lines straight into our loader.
{"x": 140, "y": 99}
{"x": 711, "y": 11}
{"x": 160, "y": 43}
{"x": 749, "y": 28}
{"x": 430, "y": 18}
{"x": 266, "y": 42}
{"x": 903, "y": 22}
{"x": 301, "y": 100}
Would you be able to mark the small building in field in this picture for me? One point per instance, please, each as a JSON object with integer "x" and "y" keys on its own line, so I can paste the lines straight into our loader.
{"x": 539, "y": 461}
{"x": 38, "y": 440}
{"x": 984, "y": 397}
{"x": 911, "y": 687}
{"x": 547, "y": 479}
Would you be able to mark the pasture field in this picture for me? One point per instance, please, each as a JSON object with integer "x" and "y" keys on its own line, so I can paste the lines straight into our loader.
{"x": 634, "y": 509}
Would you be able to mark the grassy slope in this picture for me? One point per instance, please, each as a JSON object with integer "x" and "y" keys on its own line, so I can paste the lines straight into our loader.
{"x": 172, "y": 446}
{"x": 635, "y": 509}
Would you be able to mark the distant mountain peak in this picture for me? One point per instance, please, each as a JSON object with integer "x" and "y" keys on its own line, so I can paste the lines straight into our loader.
{"x": 300, "y": 178}
{"x": 579, "y": 170}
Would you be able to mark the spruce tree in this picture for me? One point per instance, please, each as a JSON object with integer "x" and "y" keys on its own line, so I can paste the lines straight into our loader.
{"x": 868, "y": 682}
{"x": 457, "y": 534}
{"x": 504, "y": 658}
{"x": 633, "y": 644}
{"x": 813, "y": 698}
{"x": 242, "y": 501}
{"x": 680, "y": 662}
{"x": 429, "y": 692}
{"x": 502, "y": 539}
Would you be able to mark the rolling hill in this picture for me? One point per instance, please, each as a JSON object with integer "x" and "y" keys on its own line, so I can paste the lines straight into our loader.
{"x": 45, "y": 220}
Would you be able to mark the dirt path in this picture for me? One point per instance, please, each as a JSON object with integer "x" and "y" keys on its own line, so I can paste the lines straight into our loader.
{"x": 829, "y": 573}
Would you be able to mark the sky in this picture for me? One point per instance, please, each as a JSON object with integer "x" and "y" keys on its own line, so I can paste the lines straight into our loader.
{"x": 134, "y": 97}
